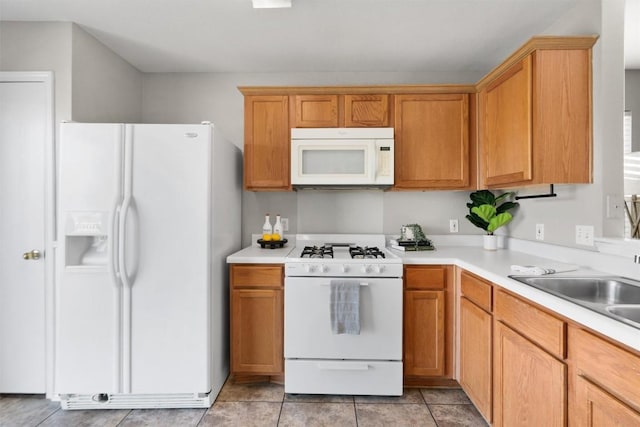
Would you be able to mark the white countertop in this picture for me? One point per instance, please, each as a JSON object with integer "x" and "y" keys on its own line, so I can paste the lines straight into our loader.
{"x": 494, "y": 266}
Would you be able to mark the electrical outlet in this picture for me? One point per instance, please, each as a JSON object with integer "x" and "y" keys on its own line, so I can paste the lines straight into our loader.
{"x": 584, "y": 235}
{"x": 453, "y": 226}
{"x": 285, "y": 224}
{"x": 539, "y": 231}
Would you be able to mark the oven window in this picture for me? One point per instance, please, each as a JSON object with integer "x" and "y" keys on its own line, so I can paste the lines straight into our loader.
{"x": 333, "y": 162}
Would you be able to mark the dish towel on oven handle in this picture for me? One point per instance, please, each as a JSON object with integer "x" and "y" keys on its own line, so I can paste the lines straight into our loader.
{"x": 344, "y": 307}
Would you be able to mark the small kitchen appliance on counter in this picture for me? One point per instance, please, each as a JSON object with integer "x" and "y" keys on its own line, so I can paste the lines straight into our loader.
{"x": 317, "y": 359}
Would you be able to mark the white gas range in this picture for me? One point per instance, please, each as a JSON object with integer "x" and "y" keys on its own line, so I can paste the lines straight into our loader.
{"x": 318, "y": 358}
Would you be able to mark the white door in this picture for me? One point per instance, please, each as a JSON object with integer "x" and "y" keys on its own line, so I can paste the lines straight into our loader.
{"x": 168, "y": 230}
{"x": 25, "y": 148}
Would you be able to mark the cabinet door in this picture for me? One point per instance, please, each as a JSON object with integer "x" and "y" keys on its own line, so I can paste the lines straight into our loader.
{"x": 506, "y": 120}
{"x": 257, "y": 329}
{"x": 366, "y": 110}
{"x": 316, "y": 111}
{"x": 431, "y": 141}
{"x": 266, "y": 143}
{"x": 597, "y": 408}
{"x": 529, "y": 384}
{"x": 424, "y": 333}
{"x": 475, "y": 355}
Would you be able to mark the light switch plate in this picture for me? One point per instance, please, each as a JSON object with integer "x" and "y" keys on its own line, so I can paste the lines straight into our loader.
{"x": 539, "y": 231}
{"x": 584, "y": 235}
{"x": 453, "y": 226}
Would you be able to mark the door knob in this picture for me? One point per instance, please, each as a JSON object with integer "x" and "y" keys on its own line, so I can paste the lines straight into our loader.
{"x": 34, "y": 254}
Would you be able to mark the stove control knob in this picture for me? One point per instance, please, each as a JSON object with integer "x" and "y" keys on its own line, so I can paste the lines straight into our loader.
{"x": 378, "y": 269}
{"x": 324, "y": 268}
{"x": 345, "y": 268}
{"x": 309, "y": 268}
{"x": 366, "y": 268}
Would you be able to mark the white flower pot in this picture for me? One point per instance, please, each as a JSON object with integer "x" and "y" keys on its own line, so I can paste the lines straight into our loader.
{"x": 490, "y": 242}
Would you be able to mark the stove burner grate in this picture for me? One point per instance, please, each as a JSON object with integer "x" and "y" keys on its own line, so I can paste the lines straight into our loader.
{"x": 359, "y": 252}
{"x": 325, "y": 251}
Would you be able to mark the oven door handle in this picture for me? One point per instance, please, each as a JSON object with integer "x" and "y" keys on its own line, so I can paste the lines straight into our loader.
{"x": 361, "y": 284}
{"x": 342, "y": 366}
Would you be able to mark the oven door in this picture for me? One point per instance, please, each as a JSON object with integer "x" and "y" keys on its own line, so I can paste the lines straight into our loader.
{"x": 307, "y": 323}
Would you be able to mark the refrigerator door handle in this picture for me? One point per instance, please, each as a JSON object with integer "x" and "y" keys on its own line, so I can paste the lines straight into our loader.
{"x": 115, "y": 262}
{"x": 122, "y": 266}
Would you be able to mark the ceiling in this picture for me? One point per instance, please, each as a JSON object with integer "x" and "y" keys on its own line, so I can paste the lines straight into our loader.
{"x": 313, "y": 35}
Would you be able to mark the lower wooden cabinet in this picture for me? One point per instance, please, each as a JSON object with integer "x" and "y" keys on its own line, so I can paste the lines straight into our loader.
{"x": 597, "y": 408}
{"x": 424, "y": 333}
{"x": 475, "y": 355}
{"x": 428, "y": 325}
{"x": 529, "y": 383}
{"x": 257, "y": 320}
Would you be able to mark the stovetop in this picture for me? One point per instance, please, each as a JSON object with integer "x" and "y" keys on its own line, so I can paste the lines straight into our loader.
{"x": 342, "y": 255}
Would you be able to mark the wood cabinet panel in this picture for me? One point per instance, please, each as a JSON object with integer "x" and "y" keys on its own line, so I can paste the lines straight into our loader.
{"x": 431, "y": 141}
{"x": 425, "y": 276}
{"x": 366, "y": 110}
{"x": 266, "y": 143}
{"x": 316, "y": 111}
{"x": 529, "y": 384}
{"x": 549, "y": 331}
{"x": 257, "y": 275}
{"x": 611, "y": 367}
{"x": 424, "y": 333}
{"x": 507, "y": 126}
{"x": 597, "y": 408}
{"x": 257, "y": 331}
{"x": 477, "y": 290}
{"x": 476, "y": 355}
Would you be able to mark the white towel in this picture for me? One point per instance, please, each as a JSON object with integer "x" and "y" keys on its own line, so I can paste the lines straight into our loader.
{"x": 344, "y": 307}
{"x": 538, "y": 270}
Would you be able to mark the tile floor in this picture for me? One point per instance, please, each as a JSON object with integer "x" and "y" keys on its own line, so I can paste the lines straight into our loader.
{"x": 262, "y": 405}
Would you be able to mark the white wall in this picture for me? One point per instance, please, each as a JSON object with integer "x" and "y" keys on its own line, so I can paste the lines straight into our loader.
{"x": 105, "y": 88}
{"x": 40, "y": 46}
{"x": 632, "y": 102}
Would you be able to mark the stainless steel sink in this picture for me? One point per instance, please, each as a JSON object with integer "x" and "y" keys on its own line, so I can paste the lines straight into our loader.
{"x": 600, "y": 290}
{"x": 615, "y": 297}
{"x": 629, "y": 313}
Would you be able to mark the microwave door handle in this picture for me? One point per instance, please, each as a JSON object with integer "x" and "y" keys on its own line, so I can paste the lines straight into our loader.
{"x": 374, "y": 161}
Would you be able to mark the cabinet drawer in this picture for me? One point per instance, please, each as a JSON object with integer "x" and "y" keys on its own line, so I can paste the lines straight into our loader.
{"x": 425, "y": 277}
{"x": 614, "y": 368}
{"x": 477, "y": 290}
{"x": 256, "y": 275}
{"x": 544, "y": 329}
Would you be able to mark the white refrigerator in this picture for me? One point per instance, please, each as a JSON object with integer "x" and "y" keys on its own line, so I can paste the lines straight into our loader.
{"x": 147, "y": 214}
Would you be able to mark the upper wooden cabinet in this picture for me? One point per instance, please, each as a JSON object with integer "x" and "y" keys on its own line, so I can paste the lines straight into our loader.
{"x": 366, "y": 110}
{"x": 266, "y": 143}
{"x": 431, "y": 141}
{"x": 316, "y": 111}
{"x": 535, "y": 118}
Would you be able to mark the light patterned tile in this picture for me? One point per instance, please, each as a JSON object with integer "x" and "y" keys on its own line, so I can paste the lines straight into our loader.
{"x": 317, "y": 414}
{"x": 163, "y": 417}
{"x": 410, "y": 395}
{"x": 382, "y": 415}
{"x": 444, "y": 396}
{"x": 260, "y": 392}
{"x": 457, "y": 416}
{"x": 25, "y": 410}
{"x": 88, "y": 418}
{"x": 318, "y": 398}
{"x": 242, "y": 414}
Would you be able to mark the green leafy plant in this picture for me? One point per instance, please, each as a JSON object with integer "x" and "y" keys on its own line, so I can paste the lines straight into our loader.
{"x": 489, "y": 212}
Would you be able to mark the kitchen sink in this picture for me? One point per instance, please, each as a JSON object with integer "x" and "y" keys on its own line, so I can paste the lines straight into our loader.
{"x": 615, "y": 297}
{"x": 599, "y": 290}
{"x": 630, "y": 313}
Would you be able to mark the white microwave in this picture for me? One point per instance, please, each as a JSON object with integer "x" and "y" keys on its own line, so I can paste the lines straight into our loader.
{"x": 342, "y": 157}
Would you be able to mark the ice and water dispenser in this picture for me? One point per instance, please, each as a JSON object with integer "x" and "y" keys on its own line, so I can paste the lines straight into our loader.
{"x": 86, "y": 239}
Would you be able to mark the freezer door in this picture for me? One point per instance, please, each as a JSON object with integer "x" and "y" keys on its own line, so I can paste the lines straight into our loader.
{"x": 87, "y": 291}
{"x": 166, "y": 258}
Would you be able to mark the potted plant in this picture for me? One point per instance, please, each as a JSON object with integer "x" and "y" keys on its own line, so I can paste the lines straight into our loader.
{"x": 489, "y": 212}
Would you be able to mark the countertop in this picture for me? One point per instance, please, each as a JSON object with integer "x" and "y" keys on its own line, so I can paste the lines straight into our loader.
{"x": 495, "y": 266}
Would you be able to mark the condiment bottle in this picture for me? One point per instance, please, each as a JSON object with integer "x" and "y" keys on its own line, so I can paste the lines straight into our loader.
{"x": 277, "y": 229}
{"x": 266, "y": 228}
